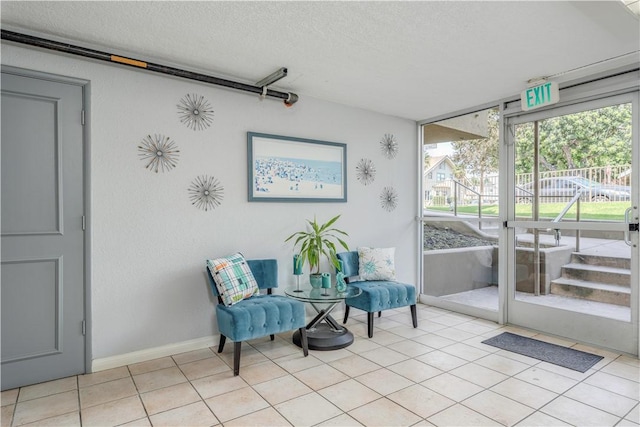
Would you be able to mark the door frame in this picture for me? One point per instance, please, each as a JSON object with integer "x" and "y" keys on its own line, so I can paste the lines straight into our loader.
{"x": 86, "y": 172}
{"x": 623, "y": 86}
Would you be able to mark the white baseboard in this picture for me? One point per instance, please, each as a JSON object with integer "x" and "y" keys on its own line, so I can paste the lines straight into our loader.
{"x": 152, "y": 353}
{"x": 119, "y": 360}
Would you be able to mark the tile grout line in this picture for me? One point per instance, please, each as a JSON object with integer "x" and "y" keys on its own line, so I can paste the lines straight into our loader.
{"x": 79, "y": 401}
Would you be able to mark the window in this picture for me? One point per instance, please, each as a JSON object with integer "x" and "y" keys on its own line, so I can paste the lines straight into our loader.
{"x": 476, "y": 287}
{"x": 430, "y": 175}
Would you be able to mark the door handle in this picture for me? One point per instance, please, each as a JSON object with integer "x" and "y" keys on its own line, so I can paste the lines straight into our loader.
{"x": 632, "y": 226}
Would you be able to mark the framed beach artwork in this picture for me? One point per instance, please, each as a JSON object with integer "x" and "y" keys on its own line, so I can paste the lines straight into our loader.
{"x": 288, "y": 169}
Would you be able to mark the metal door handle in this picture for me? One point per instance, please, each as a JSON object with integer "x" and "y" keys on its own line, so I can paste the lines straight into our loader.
{"x": 627, "y": 220}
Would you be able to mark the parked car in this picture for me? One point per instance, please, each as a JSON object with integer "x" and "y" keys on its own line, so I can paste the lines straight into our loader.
{"x": 564, "y": 188}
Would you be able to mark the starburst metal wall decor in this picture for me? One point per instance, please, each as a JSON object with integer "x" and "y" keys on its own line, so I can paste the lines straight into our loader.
{"x": 365, "y": 171}
{"x": 389, "y": 146}
{"x": 206, "y": 192}
{"x": 195, "y": 112}
{"x": 389, "y": 199}
{"x": 160, "y": 152}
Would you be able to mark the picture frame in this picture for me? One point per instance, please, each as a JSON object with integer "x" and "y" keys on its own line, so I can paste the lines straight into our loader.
{"x": 288, "y": 169}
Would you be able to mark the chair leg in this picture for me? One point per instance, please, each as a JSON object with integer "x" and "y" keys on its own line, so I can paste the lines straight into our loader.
{"x": 223, "y": 339}
{"x": 370, "y": 324}
{"x": 346, "y": 314}
{"x": 414, "y": 316}
{"x": 379, "y": 314}
{"x": 303, "y": 341}
{"x": 272, "y": 337}
{"x": 236, "y": 357}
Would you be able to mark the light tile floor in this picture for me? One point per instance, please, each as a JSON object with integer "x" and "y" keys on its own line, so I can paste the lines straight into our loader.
{"x": 439, "y": 374}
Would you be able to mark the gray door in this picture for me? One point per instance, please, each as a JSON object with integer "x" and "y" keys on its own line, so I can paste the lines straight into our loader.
{"x": 42, "y": 230}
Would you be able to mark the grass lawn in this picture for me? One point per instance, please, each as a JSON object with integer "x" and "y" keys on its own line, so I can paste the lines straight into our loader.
{"x": 606, "y": 211}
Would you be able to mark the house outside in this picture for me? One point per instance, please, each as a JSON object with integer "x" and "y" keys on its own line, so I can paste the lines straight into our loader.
{"x": 438, "y": 181}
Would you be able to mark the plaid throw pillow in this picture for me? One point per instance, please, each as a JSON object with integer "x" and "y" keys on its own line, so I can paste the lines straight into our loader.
{"x": 234, "y": 280}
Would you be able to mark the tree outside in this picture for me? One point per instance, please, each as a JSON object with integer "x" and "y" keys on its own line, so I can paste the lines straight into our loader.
{"x": 477, "y": 158}
{"x": 594, "y": 138}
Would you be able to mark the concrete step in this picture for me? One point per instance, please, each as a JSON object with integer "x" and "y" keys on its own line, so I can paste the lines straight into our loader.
{"x": 592, "y": 291}
{"x": 605, "y": 261}
{"x": 597, "y": 273}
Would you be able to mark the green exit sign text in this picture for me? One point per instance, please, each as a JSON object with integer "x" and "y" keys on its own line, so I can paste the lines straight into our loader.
{"x": 540, "y": 96}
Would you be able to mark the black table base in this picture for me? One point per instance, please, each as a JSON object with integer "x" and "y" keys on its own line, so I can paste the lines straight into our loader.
{"x": 323, "y": 338}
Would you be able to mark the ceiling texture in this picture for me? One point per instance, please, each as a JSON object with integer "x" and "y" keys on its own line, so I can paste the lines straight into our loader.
{"x": 415, "y": 60}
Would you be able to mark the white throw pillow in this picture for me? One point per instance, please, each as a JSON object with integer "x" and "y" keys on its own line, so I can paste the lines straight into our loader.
{"x": 377, "y": 263}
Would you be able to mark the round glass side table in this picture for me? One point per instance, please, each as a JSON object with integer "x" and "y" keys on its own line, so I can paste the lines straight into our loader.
{"x": 323, "y": 331}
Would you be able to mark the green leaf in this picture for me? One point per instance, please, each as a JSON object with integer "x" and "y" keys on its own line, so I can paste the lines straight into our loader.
{"x": 329, "y": 223}
{"x": 344, "y": 244}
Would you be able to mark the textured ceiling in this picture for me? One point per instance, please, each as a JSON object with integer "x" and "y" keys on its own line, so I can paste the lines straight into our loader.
{"x": 415, "y": 60}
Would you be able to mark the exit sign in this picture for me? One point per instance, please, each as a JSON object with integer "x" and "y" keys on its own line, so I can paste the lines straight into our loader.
{"x": 540, "y": 96}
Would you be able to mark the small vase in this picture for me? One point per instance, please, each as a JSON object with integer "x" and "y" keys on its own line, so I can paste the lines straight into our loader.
{"x": 316, "y": 280}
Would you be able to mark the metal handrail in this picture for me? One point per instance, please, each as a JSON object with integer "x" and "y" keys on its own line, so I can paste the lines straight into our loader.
{"x": 455, "y": 200}
{"x": 524, "y": 190}
{"x": 574, "y": 200}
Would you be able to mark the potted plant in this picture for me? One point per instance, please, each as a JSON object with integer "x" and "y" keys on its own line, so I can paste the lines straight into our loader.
{"x": 316, "y": 243}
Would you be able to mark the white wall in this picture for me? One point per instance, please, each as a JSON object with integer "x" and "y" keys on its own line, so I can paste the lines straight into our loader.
{"x": 149, "y": 243}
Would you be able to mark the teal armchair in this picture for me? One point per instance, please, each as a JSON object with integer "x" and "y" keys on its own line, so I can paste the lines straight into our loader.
{"x": 377, "y": 295}
{"x": 259, "y": 315}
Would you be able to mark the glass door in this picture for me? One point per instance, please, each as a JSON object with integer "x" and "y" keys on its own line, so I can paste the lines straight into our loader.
{"x": 572, "y": 214}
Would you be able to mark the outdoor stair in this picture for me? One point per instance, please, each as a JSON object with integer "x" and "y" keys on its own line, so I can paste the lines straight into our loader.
{"x": 595, "y": 278}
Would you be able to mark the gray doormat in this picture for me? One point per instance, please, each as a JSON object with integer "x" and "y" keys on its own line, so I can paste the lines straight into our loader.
{"x": 552, "y": 353}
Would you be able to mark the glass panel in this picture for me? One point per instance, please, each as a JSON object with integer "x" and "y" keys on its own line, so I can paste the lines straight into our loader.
{"x": 595, "y": 280}
{"x": 585, "y": 155}
{"x": 461, "y": 263}
{"x": 461, "y": 165}
{"x": 460, "y": 181}
{"x": 574, "y": 168}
